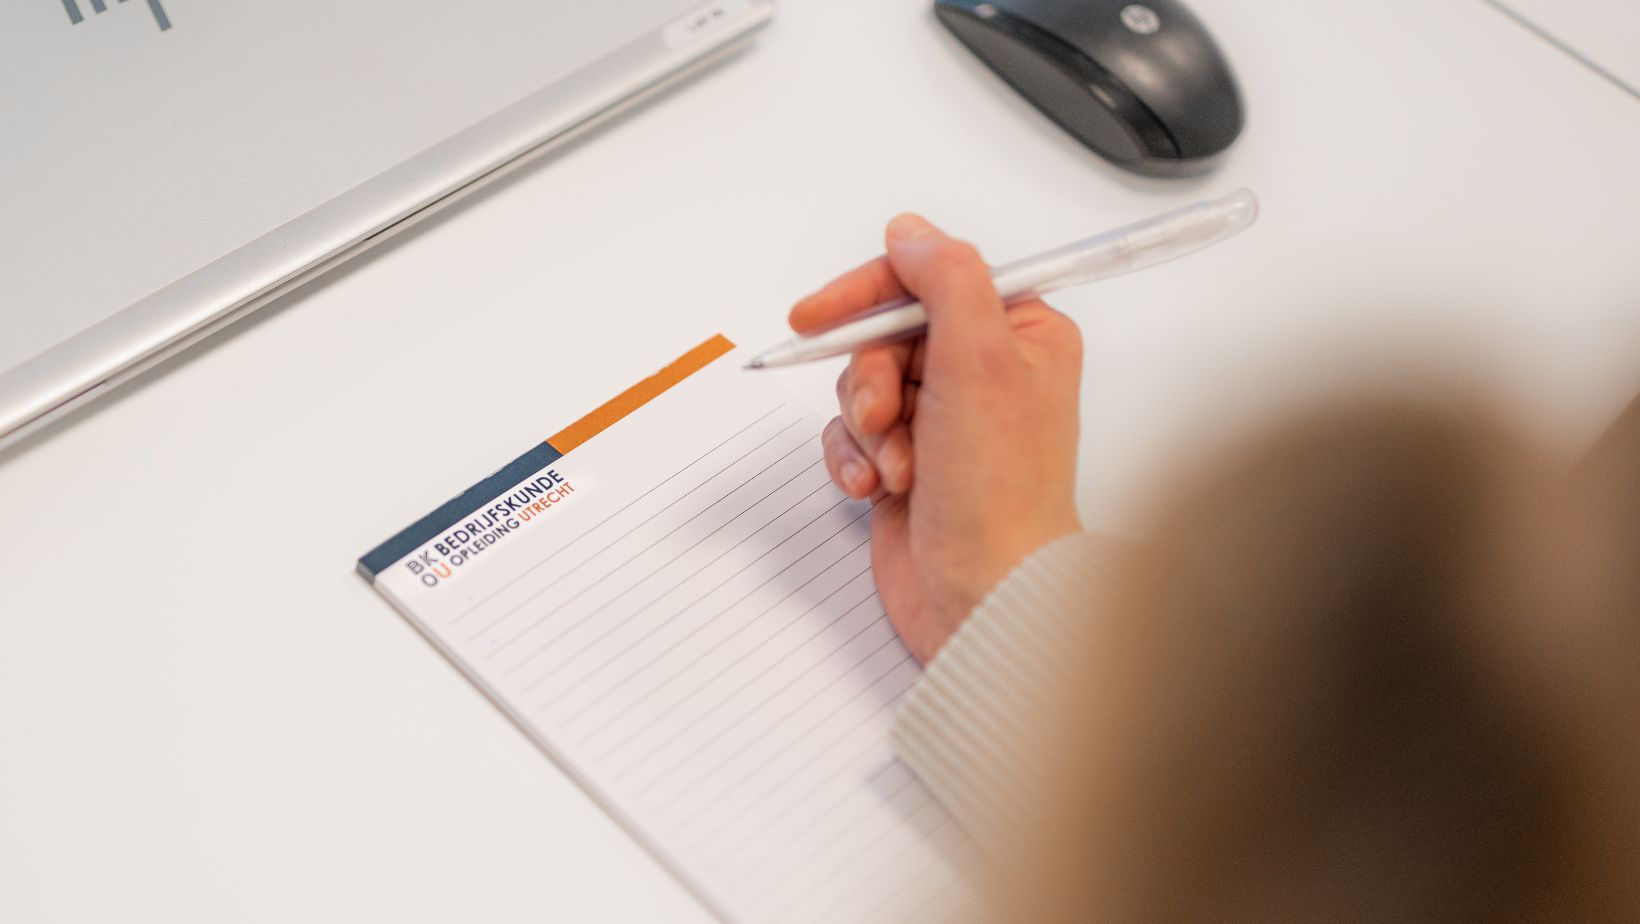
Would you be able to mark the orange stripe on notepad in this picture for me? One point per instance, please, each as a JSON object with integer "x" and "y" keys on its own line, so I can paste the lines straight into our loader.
{"x": 639, "y": 395}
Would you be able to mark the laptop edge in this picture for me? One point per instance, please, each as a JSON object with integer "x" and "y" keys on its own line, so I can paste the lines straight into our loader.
{"x": 144, "y": 334}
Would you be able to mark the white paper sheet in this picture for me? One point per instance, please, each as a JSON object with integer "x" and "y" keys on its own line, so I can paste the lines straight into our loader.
{"x": 691, "y": 630}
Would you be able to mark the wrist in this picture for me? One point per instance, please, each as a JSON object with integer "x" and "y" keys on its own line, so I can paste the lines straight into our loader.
{"x": 968, "y": 586}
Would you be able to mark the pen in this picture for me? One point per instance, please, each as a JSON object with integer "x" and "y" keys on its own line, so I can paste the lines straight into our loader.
{"x": 1113, "y": 253}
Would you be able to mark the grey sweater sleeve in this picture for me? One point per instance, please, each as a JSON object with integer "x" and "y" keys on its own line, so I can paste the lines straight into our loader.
{"x": 976, "y": 714}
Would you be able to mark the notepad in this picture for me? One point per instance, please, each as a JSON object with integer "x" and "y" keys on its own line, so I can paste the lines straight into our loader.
{"x": 671, "y": 599}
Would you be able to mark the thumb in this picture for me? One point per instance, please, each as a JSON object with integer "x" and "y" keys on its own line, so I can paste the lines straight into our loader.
{"x": 966, "y": 318}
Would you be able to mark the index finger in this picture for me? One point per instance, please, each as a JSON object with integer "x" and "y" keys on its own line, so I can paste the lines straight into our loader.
{"x": 865, "y": 286}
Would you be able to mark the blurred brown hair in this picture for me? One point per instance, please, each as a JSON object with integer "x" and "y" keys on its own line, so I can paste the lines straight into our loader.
{"x": 1379, "y": 665}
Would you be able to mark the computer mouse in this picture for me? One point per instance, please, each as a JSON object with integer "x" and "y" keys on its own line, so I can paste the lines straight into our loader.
{"x": 1142, "y": 84}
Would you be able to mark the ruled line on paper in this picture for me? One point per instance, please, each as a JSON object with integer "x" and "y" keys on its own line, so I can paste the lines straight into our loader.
{"x": 584, "y": 562}
{"x": 783, "y": 850}
{"x": 856, "y": 759}
{"x": 712, "y": 660}
{"x": 782, "y": 818}
{"x": 743, "y": 779}
{"x": 699, "y": 657}
{"x": 723, "y": 671}
{"x": 805, "y": 735}
{"x": 937, "y": 895}
{"x": 708, "y": 743}
{"x": 739, "y": 722}
{"x": 618, "y": 540}
{"x": 675, "y": 587}
{"x": 767, "y": 581}
{"x": 940, "y": 833}
{"x": 621, "y": 623}
{"x": 874, "y": 750}
{"x": 699, "y": 628}
{"x": 858, "y": 836}
{"x": 855, "y": 862}
{"x": 485, "y": 600}
{"x": 878, "y": 865}
{"x": 908, "y": 838}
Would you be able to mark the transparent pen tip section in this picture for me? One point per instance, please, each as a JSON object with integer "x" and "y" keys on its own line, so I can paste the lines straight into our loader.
{"x": 1240, "y": 210}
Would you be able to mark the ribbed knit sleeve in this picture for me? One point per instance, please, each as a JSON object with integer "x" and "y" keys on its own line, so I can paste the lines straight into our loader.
{"x": 975, "y": 714}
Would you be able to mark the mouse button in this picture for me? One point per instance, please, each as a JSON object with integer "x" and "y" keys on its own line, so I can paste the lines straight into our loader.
{"x": 1085, "y": 23}
{"x": 1216, "y": 125}
{"x": 1067, "y": 87}
{"x": 1198, "y": 103}
{"x": 1134, "y": 118}
{"x": 1174, "y": 68}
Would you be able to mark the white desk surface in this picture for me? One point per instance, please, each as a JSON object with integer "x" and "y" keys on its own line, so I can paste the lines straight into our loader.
{"x": 206, "y": 716}
{"x": 1605, "y": 34}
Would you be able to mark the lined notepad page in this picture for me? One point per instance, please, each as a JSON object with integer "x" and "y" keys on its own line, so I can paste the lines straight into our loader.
{"x": 693, "y": 633}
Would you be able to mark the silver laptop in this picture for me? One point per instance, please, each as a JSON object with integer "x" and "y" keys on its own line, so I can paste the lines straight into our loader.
{"x": 167, "y": 166}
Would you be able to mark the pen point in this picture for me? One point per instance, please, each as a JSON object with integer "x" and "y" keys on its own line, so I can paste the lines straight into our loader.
{"x": 754, "y": 364}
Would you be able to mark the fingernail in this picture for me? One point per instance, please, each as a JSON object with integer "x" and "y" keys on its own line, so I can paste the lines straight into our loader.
{"x": 860, "y": 406}
{"x": 853, "y": 472}
{"x": 909, "y": 227}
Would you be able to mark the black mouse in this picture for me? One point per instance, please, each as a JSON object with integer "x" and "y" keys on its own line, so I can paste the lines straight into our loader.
{"x": 1142, "y": 84}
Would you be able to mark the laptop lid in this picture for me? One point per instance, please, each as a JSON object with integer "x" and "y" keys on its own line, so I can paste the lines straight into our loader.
{"x": 169, "y": 164}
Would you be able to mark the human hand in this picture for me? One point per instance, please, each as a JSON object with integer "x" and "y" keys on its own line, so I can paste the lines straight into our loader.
{"x": 965, "y": 440}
